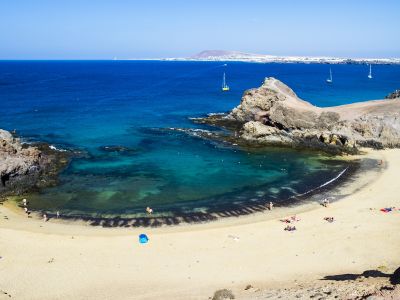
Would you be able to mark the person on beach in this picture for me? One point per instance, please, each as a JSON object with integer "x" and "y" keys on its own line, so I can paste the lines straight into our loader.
{"x": 58, "y": 214}
{"x": 290, "y": 228}
{"x": 26, "y": 209}
{"x": 325, "y": 203}
{"x": 295, "y": 218}
{"x": 24, "y": 202}
{"x": 271, "y": 205}
{"x": 149, "y": 210}
{"x": 45, "y": 217}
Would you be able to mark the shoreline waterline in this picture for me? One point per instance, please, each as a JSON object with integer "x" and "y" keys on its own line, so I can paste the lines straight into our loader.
{"x": 334, "y": 189}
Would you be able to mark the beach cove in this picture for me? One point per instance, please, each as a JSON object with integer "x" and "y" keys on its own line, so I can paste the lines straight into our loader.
{"x": 134, "y": 144}
{"x": 213, "y": 150}
{"x": 80, "y": 261}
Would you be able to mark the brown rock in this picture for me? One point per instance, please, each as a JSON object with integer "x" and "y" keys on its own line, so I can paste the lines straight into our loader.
{"x": 273, "y": 115}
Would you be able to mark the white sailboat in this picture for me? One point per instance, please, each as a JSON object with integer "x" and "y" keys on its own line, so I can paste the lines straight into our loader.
{"x": 225, "y": 88}
{"x": 330, "y": 79}
{"x": 370, "y": 72}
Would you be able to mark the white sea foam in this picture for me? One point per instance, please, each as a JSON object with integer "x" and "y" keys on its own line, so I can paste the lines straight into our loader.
{"x": 326, "y": 183}
{"x": 215, "y": 114}
{"x": 52, "y": 147}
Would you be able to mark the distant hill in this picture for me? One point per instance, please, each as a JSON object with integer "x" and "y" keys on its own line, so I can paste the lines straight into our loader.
{"x": 209, "y": 54}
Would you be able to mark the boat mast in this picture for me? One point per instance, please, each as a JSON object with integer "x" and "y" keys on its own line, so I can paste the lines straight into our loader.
{"x": 223, "y": 81}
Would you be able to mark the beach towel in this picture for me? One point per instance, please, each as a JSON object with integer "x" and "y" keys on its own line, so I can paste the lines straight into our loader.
{"x": 386, "y": 209}
{"x": 143, "y": 239}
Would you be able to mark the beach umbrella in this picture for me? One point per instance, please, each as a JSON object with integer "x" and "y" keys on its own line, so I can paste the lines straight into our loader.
{"x": 143, "y": 239}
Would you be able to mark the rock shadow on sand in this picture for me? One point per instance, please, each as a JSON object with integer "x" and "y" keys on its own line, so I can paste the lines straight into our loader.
{"x": 394, "y": 278}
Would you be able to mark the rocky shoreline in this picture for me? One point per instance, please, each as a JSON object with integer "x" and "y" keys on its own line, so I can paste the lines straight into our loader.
{"x": 370, "y": 284}
{"x": 25, "y": 167}
{"x": 273, "y": 115}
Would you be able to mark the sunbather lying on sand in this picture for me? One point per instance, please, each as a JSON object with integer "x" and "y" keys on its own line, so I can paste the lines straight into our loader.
{"x": 329, "y": 219}
{"x": 290, "y": 228}
{"x": 291, "y": 219}
{"x": 388, "y": 209}
{"x": 295, "y": 218}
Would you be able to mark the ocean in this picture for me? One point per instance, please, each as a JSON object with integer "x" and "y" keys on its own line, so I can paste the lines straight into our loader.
{"x": 91, "y": 105}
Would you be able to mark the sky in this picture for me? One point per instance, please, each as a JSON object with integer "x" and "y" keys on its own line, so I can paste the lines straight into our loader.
{"x": 100, "y": 29}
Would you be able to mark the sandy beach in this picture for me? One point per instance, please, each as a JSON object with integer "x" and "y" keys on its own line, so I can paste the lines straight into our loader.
{"x": 60, "y": 260}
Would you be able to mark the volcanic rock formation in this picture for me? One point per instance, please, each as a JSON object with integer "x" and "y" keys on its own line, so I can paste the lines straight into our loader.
{"x": 23, "y": 167}
{"x": 274, "y": 115}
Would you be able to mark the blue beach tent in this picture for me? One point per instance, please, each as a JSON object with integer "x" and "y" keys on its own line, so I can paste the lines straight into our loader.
{"x": 143, "y": 239}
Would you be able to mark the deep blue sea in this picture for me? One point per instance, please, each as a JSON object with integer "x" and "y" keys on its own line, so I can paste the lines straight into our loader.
{"x": 87, "y": 105}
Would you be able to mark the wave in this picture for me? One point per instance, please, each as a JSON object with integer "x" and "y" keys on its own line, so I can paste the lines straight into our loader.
{"x": 209, "y": 115}
{"x": 216, "y": 114}
{"x": 52, "y": 147}
{"x": 324, "y": 184}
{"x": 192, "y": 131}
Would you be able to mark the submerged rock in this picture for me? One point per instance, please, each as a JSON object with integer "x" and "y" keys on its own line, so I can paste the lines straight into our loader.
{"x": 23, "y": 167}
{"x": 118, "y": 148}
{"x": 274, "y": 115}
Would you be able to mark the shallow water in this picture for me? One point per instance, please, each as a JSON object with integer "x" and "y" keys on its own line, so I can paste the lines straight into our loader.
{"x": 88, "y": 105}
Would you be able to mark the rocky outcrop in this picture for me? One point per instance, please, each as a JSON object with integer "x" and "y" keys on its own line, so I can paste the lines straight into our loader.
{"x": 394, "y": 95}
{"x": 23, "y": 167}
{"x": 367, "y": 287}
{"x": 273, "y": 115}
{"x": 15, "y": 160}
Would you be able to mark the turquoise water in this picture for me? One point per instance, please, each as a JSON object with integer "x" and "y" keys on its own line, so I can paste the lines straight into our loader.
{"x": 87, "y": 105}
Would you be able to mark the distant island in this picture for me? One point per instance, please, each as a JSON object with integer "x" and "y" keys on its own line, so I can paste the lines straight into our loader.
{"x": 223, "y": 55}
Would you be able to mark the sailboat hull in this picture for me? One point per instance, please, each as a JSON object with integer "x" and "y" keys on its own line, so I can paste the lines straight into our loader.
{"x": 225, "y": 88}
{"x": 330, "y": 79}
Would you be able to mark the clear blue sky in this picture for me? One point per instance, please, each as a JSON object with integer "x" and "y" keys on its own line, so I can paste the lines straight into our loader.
{"x": 89, "y": 29}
